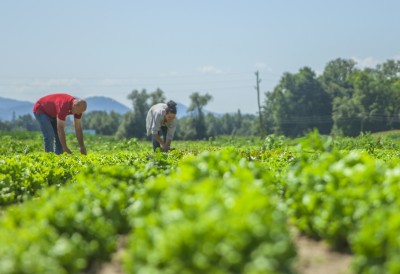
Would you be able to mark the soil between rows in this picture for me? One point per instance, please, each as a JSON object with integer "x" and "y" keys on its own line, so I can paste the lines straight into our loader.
{"x": 314, "y": 257}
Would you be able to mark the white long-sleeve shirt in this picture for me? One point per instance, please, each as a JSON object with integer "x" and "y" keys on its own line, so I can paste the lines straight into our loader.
{"x": 155, "y": 119}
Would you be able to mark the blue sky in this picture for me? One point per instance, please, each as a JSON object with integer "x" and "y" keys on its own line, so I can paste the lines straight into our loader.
{"x": 108, "y": 48}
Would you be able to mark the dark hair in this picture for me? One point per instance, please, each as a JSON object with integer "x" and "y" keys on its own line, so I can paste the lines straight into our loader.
{"x": 171, "y": 107}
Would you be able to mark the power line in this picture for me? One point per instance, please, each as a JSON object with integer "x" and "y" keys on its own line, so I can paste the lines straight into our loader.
{"x": 325, "y": 119}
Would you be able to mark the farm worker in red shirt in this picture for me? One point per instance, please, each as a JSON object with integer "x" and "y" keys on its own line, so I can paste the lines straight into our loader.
{"x": 51, "y": 111}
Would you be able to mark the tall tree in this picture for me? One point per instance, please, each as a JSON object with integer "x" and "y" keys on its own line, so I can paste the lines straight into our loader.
{"x": 213, "y": 125}
{"x": 390, "y": 70}
{"x": 198, "y": 102}
{"x": 372, "y": 96}
{"x": 346, "y": 117}
{"x": 336, "y": 78}
{"x": 369, "y": 99}
{"x": 228, "y": 124}
{"x": 127, "y": 128}
{"x": 337, "y": 82}
{"x": 299, "y": 104}
{"x": 389, "y": 76}
{"x": 157, "y": 97}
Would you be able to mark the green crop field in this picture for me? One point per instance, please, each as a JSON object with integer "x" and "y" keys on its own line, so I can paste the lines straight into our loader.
{"x": 225, "y": 205}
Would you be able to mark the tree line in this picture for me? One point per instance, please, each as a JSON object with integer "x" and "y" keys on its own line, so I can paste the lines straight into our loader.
{"x": 196, "y": 125}
{"x": 342, "y": 100}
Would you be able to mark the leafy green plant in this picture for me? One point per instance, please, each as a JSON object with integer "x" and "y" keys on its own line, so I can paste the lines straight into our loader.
{"x": 67, "y": 229}
{"x": 213, "y": 215}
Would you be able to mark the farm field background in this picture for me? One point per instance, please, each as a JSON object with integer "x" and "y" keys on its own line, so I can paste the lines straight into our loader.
{"x": 226, "y": 205}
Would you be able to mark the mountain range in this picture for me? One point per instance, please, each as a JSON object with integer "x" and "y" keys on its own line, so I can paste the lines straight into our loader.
{"x": 11, "y": 108}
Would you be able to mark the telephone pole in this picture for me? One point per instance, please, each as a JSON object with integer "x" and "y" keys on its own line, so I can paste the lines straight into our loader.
{"x": 259, "y": 105}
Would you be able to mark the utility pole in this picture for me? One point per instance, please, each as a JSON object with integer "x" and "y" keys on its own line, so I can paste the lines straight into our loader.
{"x": 259, "y": 105}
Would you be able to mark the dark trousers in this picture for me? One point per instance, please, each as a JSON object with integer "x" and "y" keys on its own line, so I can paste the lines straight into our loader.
{"x": 163, "y": 131}
{"x": 48, "y": 126}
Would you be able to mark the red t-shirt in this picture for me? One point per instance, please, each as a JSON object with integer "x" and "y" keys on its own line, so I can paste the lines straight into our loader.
{"x": 56, "y": 106}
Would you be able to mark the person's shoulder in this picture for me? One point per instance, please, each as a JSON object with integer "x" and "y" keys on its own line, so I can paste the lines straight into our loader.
{"x": 159, "y": 107}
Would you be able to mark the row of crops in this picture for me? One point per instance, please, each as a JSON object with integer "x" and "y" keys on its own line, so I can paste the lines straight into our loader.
{"x": 220, "y": 206}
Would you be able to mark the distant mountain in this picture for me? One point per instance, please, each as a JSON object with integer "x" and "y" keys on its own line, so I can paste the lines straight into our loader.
{"x": 181, "y": 110}
{"x": 100, "y": 103}
{"x": 10, "y": 107}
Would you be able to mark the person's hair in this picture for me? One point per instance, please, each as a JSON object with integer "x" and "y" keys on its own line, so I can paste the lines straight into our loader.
{"x": 171, "y": 107}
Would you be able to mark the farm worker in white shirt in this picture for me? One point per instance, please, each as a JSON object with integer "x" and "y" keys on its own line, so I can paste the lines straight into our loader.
{"x": 161, "y": 119}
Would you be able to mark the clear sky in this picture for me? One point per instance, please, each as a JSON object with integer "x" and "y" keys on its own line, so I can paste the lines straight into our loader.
{"x": 109, "y": 48}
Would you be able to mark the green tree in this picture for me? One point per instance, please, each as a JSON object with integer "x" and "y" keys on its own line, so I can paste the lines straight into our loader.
{"x": 134, "y": 123}
{"x": 249, "y": 125}
{"x": 5, "y": 126}
{"x": 299, "y": 104}
{"x": 26, "y": 122}
{"x": 336, "y": 78}
{"x": 185, "y": 129}
{"x": 346, "y": 117}
{"x": 390, "y": 70}
{"x": 389, "y": 77}
{"x": 371, "y": 95}
{"x": 197, "y": 122}
{"x": 102, "y": 122}
{"x": 157, "y": 97}
{"x": 337, "y": 82}
{"x": 213, "y": 125}
{"x": 228, "y": 124}
{"x": 372, "y": 101}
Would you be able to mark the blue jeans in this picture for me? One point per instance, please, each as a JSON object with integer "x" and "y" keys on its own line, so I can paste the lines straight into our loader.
{"x": 48, "y": 126}
{"x": 164, "y": 134}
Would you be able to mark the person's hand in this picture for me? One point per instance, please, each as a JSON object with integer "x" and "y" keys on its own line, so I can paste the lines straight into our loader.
{"x": 83, "y": 150}
{"x": 165, "y": 147}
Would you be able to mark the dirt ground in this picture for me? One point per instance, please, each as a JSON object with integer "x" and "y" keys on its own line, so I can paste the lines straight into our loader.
{"x": 113, "y": 267}
{"x": 314, "y": 257}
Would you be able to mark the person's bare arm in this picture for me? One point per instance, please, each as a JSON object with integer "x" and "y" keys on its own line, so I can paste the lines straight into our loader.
{"x": 61, "y": 135}
{"x": 167, "y": 145}
{"x": 160, "y": 141}
{"x": 79, "y": 135}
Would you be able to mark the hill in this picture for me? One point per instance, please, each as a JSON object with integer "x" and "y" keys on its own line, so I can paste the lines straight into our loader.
{"x": 100, "y": 103}
{"x": 11, "y": 107}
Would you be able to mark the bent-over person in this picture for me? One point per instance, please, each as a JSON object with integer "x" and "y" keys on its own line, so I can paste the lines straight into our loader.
{"x": 51, "y": 112}
{"x": 161, "y": 120}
